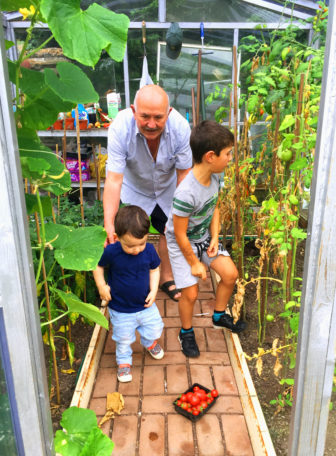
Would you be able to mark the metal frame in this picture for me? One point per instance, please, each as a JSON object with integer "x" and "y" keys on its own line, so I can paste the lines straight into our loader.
{"x": 317, "y": 335}
{"x": 18, "y": 291}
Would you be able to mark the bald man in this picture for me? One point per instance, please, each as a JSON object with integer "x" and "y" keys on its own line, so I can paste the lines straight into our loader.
{"x": 148, "y": 156}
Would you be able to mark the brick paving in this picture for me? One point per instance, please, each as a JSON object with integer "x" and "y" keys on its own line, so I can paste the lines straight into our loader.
{"x": 148, "y": 424}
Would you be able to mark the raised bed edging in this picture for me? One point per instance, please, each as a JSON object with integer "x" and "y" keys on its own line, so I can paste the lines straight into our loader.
{"x": 87, "y": 376}
{"x": 259, "y": 434}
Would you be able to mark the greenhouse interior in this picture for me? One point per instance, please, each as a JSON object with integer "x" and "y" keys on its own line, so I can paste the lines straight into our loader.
{"x": 73, "y": 79}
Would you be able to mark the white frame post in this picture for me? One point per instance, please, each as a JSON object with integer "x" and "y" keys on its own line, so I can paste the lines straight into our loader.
{"x": 317, "y": 329}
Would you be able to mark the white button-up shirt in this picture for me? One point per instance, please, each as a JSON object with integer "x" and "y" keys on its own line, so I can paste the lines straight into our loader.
{"x": 147, "y": 182}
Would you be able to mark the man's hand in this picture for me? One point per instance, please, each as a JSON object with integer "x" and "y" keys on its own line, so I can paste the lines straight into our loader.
{"x": 105, "y": 292}
{"x": 213, "y": 248}
{"x": 110, "y": 239}
{"x": 198, "y": 270}
{"x": 150, "y": 298}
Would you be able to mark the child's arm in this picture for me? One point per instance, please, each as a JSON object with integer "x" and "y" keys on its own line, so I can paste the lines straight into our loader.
{"x": 154, "y": 277}
{"x": 180, "y": 230}
{"x": 214, "y": 232}
{"x": 103, "y": 289}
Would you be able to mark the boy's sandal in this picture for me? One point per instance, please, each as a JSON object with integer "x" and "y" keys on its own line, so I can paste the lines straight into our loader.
{"x": 171, "y": 293}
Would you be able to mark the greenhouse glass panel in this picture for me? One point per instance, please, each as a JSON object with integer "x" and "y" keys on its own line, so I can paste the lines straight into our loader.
{"x": 218, "y": 11}
{"x": 7, "y": 436}
{"x": 178, "y": 77}
{"x": 136, "y": 10}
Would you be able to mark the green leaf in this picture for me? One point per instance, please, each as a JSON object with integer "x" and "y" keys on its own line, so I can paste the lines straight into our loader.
{"x": 79, "y": 249}
{"x": 84, "y": 34}
{"x": 32, "y": 206}
{"x": 298, "y": 233}
{"x": 8, "y": 44}
{"x": 41, "y": 166}
{"x": 288, "y": 121}
{"x": 72, "y": 84}
{"x": 74, "y": 304}
{"x": 270, "y": 81}
{"x": 14, "y": 5}
{"x": 97, "y": 444}
{"x": 299, "y": 164}
{"x": 42, "y": 105}
{"x": 262, "y": 91}
{"x": 287, "y": 381}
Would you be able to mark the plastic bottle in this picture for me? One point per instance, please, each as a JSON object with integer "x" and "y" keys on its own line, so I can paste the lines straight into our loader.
{"x": 112, "y": 104}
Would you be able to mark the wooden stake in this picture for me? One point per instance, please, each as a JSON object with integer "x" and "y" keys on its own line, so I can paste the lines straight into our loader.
{"x": 79, "y": 165}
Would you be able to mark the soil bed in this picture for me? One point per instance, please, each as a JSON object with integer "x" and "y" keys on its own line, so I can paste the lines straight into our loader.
{"x": 267, "y": 384}
{"x": 81, "y": 335}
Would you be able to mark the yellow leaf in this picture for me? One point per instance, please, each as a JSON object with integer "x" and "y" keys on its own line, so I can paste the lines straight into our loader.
{"x": 259, "y": 366}
{"x": 254, "y": 198}
{"x": 46, "y": 338}
{"x": 68, "y": 371}
{"x": 62, "y": 329}
{"x": 277, "y": 367}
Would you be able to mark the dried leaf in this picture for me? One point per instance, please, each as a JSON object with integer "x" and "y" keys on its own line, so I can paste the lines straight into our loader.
{"x": 114, "y": 404}
{"x": 274, "y": 346}
{"x": 68, "y": 371}
{"x": 259, "y": 366}
{"x": 277, "y": 367}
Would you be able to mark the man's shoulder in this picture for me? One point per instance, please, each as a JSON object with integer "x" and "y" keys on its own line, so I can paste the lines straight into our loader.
{"x": 124, "y": 119}
{"x": 175, "y": 119}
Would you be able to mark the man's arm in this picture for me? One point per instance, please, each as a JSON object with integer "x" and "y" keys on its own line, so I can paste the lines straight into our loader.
{"x": 180, "y": 230}
{"x": 181, "y": 174}
{"x": 111, "y": 200}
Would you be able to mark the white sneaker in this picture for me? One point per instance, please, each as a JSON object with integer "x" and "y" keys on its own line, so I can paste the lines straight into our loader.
{"x": 124, "y": 373}
{"x": 155, "y": 350}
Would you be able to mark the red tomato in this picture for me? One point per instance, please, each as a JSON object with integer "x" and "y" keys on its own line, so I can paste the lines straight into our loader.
{"x": 184, "y": 398}
{"x": 195, "y": 412}
{"x": 204, "y": 404}
{"x": 178, "y": 402}
{"x": 209, "y": 400}
{"x": 189, "y": 396}
{"x": 194, "y": 400}
{"x": 196, "y": 388}
{"x": 184, "y": 405}
{"x": 214, "y": 393}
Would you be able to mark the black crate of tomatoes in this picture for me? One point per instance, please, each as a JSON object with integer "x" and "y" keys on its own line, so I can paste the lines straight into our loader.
{"x": 195, "y": 402}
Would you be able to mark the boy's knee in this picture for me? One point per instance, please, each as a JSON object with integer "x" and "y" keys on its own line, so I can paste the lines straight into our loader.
{"x": 190, "y": 293}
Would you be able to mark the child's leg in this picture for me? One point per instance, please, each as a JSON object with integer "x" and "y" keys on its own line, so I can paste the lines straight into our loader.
{"x": 226, "y": 269}
{"x": 228, "y": 273}
{"x": 186, "y": 305}
{"x": 123, "y": 325}
{"x": 150, "y": 326}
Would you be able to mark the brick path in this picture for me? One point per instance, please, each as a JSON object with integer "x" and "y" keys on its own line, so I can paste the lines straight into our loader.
{"x": 148, "y": 424}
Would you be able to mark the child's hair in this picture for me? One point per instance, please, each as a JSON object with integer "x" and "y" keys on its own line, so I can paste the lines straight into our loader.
{"x": 209, "y": 135}
{"x": 133, "y": 220}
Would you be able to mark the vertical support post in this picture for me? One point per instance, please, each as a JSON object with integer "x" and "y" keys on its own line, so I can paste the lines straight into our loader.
{"x": 126, "y": 79}
{"x": 317, "y": 329}
{"x": 18, "y": 299}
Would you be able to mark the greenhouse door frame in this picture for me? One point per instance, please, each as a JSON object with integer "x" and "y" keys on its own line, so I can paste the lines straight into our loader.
{"x": 24, "y": 367}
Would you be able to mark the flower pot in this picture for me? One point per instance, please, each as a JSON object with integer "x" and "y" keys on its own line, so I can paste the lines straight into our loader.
{"x": 69, "y": 123}
{"x": 58, "y": 125}
{"x": 83, "y": 124}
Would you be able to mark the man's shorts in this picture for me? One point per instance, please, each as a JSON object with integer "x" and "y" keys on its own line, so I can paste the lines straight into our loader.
{"x": 181, "y": 268}
{"x": 158, "y": 218}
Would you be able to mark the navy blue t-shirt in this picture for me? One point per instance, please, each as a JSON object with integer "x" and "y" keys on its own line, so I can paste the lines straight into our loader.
{"x": 128, "y": 276}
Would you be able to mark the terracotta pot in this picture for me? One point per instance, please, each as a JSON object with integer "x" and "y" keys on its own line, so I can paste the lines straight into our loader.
{"x": 83, "y": 124}
{"x": 69, "y": 123}
{"x": 58, "y": 125}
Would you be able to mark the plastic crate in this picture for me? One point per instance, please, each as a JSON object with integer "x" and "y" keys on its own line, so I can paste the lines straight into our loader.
{"x": 189, "y": 415}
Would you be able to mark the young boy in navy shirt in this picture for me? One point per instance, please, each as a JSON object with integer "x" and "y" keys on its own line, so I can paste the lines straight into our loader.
{"x": 132, "y": 284}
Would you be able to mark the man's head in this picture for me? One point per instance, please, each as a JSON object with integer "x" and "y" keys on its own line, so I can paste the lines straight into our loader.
{"x": 151, "y": 110}
{"x": 132, "y": 226}
{"x": 209, "y": 136}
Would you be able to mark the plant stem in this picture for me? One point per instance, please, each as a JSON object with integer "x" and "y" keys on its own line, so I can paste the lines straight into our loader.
{"x": 55, "y": 319}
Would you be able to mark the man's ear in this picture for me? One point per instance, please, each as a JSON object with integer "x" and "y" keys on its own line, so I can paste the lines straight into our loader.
{"x": 133, "y": 109}
{"x": 170, "y": 110}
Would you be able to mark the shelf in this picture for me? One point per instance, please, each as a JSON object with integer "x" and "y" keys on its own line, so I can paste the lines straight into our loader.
{"x": 89, "y": 184}
{"x": 93, "y": 133}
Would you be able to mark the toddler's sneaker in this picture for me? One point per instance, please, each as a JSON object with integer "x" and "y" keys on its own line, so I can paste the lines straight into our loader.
{"x": 189, "y": 345}
{"x": 155, "y": 350}
{"x": 226, "y": 321}
{"x": 124, "y": 373}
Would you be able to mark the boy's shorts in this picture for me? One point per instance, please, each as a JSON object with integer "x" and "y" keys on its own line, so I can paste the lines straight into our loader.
{"x": 181, "y": 268}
